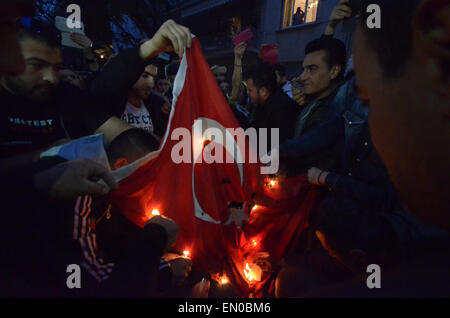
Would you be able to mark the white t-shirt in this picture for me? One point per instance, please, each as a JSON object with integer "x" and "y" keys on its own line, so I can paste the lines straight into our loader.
{"x": 138, "y": 117}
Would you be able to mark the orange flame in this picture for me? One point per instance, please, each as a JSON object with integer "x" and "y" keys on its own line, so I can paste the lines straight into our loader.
{"x": 248, "y": 273}
{"x": 155, "y": 212}
{"x": 186, "y": 253}
{"x": 222, "y": 279}
{"x": 253, "y": 273}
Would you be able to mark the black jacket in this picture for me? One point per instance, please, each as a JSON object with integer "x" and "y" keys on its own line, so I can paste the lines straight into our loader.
{"x": 279, "y": 111}
{"x": 327, "y": 158}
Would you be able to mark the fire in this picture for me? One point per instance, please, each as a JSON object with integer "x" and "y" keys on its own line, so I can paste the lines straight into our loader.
{"x": 255, "y": 243}
{"x": 248, "y": 273}
{"x": 220, "y": 278}
{"x": 253, "y": 272}
{"x": 155, "y": 212}
{"x": 271, "y": 183}
{"x": 186, "y": 253}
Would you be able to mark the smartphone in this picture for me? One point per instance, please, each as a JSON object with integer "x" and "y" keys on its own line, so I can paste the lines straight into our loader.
{"x": 269, "y": 53}
{"x": 244, "y": 36}
{"x": 61, "y": 25}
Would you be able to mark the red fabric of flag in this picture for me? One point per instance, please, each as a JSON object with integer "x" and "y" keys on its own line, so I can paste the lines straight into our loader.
{"x": 195, "y": 196}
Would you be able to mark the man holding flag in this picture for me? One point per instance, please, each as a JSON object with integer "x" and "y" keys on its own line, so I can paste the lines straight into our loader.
{"x": 208, "y": 199}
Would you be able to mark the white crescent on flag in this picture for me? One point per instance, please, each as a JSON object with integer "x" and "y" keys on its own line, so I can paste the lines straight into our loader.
{"x": 233, "y": 149}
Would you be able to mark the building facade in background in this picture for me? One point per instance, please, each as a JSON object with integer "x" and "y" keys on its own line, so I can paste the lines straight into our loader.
{"x": 289, "y": 23}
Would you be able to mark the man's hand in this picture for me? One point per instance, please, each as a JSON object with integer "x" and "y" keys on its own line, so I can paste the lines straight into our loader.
{"x": 239, "y": 50}
{"x": 81, "y": 39}
{"x": 169, "y": 225}
{"x": 299, "y": 97}
{"x": 70, "y": 179}
{"x": 317, "y": 176}
{"x": 340, "y": 12}
{"x": 171, "y": 37}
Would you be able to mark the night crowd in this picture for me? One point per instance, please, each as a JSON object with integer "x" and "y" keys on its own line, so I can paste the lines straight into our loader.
{"x": 370, "y": 128}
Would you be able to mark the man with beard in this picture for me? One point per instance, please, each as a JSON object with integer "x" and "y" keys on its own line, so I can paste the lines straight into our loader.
{"x": 47, "y": 178}
{"x": 274, "y": 109}
{"x": 26, "y": 225}
{"x": 38, "y": 110}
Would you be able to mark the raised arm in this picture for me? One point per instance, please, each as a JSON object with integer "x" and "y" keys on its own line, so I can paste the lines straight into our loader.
{"x": 236, "y": 85}
{"x": 340, "y": 12}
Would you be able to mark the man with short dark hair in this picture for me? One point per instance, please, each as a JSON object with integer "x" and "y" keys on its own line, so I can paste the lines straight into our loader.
{"x": 323, "y": 71}
{"x": 136, "y": 113}
{"x": 274, "y": 109}
{"x": 324, "y": 67}
{"x": 39, "y": 109}
{"x": 162, "y": 85}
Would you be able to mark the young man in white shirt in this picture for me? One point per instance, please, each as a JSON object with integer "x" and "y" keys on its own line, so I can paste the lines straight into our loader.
{"x": 136, "y": 114}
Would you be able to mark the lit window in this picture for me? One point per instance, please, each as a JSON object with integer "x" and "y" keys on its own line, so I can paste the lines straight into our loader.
{"x": 297, "y": 12}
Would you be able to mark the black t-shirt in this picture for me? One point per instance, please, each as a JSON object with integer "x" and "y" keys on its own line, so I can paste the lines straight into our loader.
{"x": 279, "y": 111}
{"x": 28, "y": 125}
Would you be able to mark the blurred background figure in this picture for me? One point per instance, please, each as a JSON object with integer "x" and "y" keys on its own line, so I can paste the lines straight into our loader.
{"x": 219, "y": 72}
{"x": 162, "y": 85}
{"x": 71, "y": 77}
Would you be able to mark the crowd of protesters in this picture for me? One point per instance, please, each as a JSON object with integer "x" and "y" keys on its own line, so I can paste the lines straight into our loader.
{"x": 370, "y": 128}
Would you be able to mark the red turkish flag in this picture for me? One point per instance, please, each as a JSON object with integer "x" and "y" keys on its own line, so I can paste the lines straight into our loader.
{"x": 196, "y": 196}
